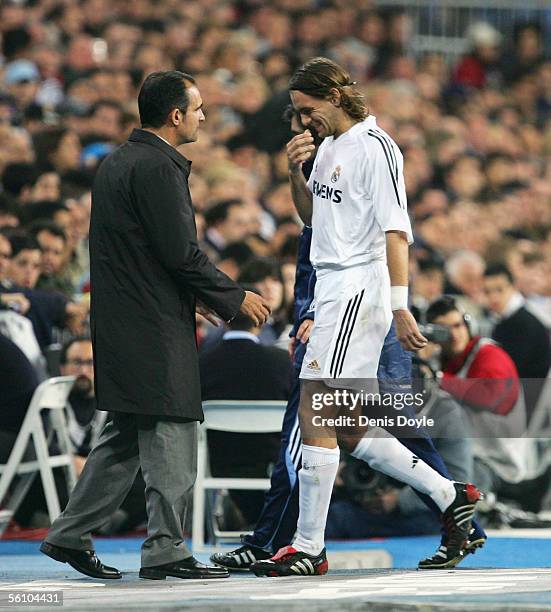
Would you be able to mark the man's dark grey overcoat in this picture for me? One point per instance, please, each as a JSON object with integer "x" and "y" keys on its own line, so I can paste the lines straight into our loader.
{"x": 146, "y": 273}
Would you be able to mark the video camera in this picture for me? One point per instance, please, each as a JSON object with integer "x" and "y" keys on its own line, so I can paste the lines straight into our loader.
{"x": 439, "y": 334}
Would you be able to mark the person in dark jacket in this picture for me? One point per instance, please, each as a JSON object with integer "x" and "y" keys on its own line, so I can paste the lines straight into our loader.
{"x": 523, "y": 336}
{"x": 18, "y": 381}
{"x": 147, "y": 276}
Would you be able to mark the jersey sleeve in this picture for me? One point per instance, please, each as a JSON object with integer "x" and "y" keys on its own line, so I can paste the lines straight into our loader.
{"x": 385, "y": 172}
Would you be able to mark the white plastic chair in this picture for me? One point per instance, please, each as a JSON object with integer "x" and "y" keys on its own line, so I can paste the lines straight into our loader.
{"x": 51, "y": 395}
{"x": 235, "y": 416}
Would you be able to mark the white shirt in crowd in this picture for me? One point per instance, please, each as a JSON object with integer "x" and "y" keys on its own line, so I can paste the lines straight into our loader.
{"x": 358, "y": 194}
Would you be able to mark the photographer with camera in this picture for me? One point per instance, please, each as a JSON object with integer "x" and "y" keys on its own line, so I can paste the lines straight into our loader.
{"x": 483, "y": 379}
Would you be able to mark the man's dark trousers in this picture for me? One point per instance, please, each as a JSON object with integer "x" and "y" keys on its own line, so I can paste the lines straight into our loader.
{"x": 166, "y": 451}
{"x": 277, "y": 523}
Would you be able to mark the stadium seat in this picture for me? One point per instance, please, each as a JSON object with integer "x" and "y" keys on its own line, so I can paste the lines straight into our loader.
{"x": 50, "y": 395}
{"x": 230, "y": 416}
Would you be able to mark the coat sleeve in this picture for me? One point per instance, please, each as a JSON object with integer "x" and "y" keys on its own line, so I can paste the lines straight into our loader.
{"x": 165, "y": 209}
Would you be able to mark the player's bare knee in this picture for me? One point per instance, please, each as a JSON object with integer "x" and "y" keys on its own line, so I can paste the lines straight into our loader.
{"x": 316, "y": 418}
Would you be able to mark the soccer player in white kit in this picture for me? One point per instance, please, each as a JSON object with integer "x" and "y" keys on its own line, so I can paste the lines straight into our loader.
{"x": 355, "y": 202}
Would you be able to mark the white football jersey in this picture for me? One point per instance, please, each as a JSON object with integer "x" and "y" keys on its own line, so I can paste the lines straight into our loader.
{"x": 358, "y": 194}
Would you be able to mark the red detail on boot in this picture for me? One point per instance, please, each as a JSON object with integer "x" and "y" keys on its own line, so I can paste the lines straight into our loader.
{"x": 322, "y": 568}
{"x": 473, "y": 494}
{"x": 286, "y": 551}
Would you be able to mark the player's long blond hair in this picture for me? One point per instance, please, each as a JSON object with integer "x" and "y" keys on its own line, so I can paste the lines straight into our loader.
{"x": 318, "y": 76}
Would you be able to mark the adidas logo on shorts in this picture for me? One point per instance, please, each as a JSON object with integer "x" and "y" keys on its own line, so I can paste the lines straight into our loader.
{"x": 313, "y": 365}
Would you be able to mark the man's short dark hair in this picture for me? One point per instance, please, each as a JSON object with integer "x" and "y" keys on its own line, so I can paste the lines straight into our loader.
{"x": 499, "y": 269}
{"x": 523, "y": 26}
{"x": 6, "y": 233}
{"x": 18, "y": 175}
{"x": 46, "y": 225}
{"x": 15, "y": 40}
{"x": 220, "y": 211}
{"x": 45, "y": 143}
{"x": 8, "y": 206}
{"x": 21, "y": 241}
{"x": 260, "y": 268}
{"x": 65, "y": 348}
{"x": 160, "y": 93}
{"x": 429, "y": 265}
{"x": 43, "y": 209}
{"x": 496, "y": 156}
{"x": 240, "y": 252}
{"x": 441, "y": 307}
{"x": 104, "y": 102}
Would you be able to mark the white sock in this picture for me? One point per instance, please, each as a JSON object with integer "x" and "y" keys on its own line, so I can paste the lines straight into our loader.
{"x": 385, "y": 453}
{"x": 316, "y": 479}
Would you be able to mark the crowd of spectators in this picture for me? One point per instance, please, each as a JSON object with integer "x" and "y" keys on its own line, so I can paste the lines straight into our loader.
{"x": 476, "y": 138}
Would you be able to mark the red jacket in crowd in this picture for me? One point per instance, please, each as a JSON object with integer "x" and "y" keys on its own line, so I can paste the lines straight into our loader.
{"x": 492, "y": 381}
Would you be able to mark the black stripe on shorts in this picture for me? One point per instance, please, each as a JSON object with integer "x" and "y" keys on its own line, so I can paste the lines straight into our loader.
{"x": 344, "y": 331}
{"x": 337, "y": 344}
{"x": 355, "y": 316}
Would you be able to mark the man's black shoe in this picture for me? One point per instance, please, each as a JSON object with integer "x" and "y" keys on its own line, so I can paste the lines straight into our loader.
{"x": 457, "y": 520}
{"x": 84, "y": 561}
{"x": 187, "y": 568}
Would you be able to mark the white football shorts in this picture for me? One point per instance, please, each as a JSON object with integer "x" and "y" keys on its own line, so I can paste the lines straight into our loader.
{"x": 352, "y": 318}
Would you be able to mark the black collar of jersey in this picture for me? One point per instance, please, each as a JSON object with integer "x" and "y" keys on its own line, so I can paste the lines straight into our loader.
{"x": 149, "y": 138}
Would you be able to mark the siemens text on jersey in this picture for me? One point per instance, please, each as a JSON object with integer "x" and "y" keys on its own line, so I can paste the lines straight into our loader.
{"x": 326, "y": 192}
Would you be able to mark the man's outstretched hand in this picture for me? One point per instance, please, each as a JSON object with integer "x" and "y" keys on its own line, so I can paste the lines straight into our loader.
{"x": 256, "y": 308}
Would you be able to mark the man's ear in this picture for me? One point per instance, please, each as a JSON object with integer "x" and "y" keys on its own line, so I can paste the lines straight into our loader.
{"x": 175, "y": 117}
{"x": 335, "y": 97}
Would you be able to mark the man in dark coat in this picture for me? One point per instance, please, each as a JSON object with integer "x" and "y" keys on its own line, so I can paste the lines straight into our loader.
{"x": 519, "y": 332}
{"x": 146, "y": 274}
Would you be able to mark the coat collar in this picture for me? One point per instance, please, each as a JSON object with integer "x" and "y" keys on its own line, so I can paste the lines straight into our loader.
{"x": 149, "y": 138}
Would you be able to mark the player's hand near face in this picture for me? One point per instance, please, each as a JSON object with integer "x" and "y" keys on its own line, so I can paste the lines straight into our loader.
{"x": 407, "y": 331}
{"x": 299, "y": 150}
